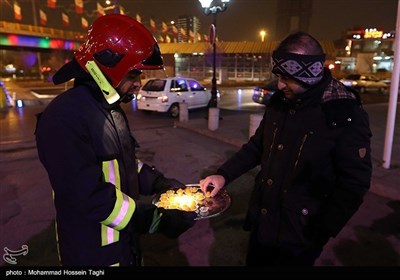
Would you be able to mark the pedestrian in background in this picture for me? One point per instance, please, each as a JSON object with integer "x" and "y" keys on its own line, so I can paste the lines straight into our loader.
{"x": 85, "y": 144}
{"x": 313, "y": 147}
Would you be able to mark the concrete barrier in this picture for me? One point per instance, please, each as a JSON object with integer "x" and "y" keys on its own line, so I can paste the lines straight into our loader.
{"x": 183, "y": 112}
{"x": 213, "y": 118}
{"x": 3, "y": 98}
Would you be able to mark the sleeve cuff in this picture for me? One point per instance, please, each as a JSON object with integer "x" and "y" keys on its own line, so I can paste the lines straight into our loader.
{"x": 223, "y": 174}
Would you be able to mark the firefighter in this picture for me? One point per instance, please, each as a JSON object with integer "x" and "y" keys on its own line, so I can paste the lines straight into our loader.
{"x": 85, "y": 144}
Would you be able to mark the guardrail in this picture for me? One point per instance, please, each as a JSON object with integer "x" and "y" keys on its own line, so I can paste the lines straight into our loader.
{"x": 40, "y": 31}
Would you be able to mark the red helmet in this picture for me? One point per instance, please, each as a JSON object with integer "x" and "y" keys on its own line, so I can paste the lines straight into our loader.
{"x": 119, "y": 44}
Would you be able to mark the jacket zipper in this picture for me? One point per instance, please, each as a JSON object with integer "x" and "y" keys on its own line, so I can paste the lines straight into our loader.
{"x": 273, "y": 142}
{"x": 300, "y": 150}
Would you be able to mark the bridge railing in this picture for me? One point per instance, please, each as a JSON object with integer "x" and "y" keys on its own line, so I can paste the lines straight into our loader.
{"x": 40, "y": 31}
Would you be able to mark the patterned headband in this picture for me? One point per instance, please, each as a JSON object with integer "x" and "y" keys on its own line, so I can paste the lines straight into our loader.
{"x": 306, "y": 69}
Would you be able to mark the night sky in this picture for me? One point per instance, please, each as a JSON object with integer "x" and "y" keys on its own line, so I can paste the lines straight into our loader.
{"x": 242, "y": 21}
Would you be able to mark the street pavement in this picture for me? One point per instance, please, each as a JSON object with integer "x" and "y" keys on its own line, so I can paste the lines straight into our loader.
{"x": 189, "y": 151}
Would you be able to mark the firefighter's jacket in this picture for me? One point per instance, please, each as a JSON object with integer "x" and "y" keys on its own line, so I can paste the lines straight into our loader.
{"x": 315, "y": 165}
{"x": 89, "y": 154}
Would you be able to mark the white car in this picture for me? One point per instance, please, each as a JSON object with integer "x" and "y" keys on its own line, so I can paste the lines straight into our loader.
{"x": 263, "y": 94}
{"x": 165, "y": 94}
{"x": 365, "y": 83}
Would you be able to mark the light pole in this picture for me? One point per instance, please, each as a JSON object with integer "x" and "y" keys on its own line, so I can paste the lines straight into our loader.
{"x": 210, "y": 8}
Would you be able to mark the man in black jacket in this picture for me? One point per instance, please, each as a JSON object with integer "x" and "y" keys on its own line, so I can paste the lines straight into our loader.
{"x": 313, "y": 146}
{"x": 85, "y": 143}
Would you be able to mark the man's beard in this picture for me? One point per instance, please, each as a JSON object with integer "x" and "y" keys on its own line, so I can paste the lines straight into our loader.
{"x": 129, "y": 96}
{"x": 126, "y": 98}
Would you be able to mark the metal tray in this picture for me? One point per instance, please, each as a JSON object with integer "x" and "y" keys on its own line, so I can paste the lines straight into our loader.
{"x": 210, "y": 206}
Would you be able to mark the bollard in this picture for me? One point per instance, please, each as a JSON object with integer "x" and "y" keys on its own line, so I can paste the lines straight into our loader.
{"x": 3, "y": 101}
{"x": 213, "y": 118}
{"x": 13, "y": 99}
{"x": 4, "y": 97}
{"x": 255, "y": 120}
{"x": 183, "y": 112}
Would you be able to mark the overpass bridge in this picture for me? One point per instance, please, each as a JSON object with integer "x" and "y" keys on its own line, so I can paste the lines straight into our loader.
{"x": 30, "y": 36}
{"x": 37, "y": 51}
{"x": 29, "y": 51}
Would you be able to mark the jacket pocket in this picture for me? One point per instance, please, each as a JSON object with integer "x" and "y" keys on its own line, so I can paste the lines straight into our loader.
{"x": 297, "y": 218}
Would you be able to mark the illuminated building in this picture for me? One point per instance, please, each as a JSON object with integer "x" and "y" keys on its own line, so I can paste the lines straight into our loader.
{"x": 367, "y": 50}
{"x": 190, "y": 26}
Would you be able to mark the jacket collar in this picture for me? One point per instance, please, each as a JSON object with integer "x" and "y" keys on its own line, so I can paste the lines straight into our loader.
{"x": 96, "y": 92}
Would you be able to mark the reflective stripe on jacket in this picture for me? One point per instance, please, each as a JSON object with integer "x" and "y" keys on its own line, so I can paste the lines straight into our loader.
{"x": 89, "y": 154}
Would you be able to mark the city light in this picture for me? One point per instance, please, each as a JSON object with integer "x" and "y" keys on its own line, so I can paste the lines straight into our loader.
{"x": 263, "y": 33}
{"x": 37, "y": 42}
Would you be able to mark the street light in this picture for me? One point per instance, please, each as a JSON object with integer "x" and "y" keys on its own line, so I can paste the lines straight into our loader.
{"x": 262, "y": 34}
{"x": 214, "y": 9}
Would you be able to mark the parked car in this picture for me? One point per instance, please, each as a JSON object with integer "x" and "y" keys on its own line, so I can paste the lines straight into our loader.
{"x": 387, "y": 81}
{"x": 365, "y": 83}
{"x": 263, "y": 94}
{"x": 165, "y": 94}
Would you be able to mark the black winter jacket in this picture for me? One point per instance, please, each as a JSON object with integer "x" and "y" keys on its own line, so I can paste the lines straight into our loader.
{"x": 315, "y": 160}
{"x": 89, "y": 154}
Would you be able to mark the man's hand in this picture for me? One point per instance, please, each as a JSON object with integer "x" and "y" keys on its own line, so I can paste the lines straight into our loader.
{"x": 217, "y": 181}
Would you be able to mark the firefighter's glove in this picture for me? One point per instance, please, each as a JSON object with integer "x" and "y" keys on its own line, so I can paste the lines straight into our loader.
{"x": 162, "y": 184}
{"x": 175, "y": 222}
{"x": 152, "y": 181}
{"x": 143, "y": 216}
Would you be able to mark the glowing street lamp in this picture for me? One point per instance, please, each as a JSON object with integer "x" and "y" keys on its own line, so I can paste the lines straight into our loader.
{"x": 210, "y": 8}
{"x": 263, "y": 33}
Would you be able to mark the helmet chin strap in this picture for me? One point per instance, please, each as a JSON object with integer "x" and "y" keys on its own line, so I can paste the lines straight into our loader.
{"x": 109, "y": 93}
